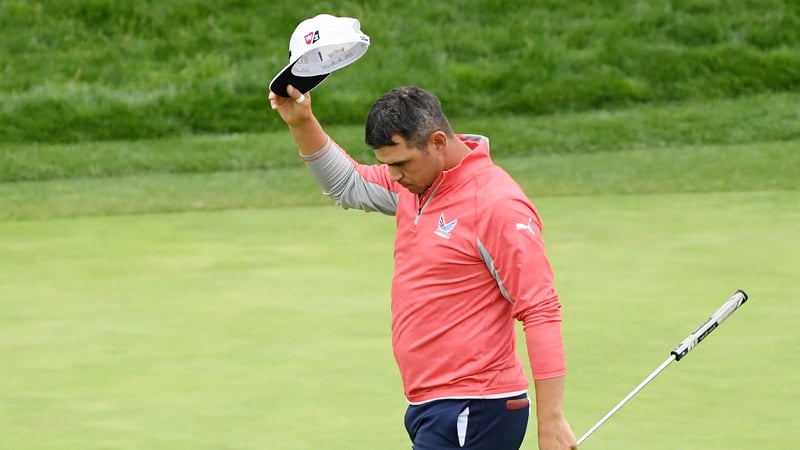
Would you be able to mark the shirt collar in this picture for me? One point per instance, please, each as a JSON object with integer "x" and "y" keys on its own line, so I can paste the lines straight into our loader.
{"x": 476, "y": 160}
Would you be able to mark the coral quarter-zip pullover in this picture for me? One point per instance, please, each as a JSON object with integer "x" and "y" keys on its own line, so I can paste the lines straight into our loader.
{"x": 469, "y": 259}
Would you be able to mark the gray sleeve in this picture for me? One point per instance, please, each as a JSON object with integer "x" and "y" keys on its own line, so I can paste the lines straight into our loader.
{"x": 339, "y": 179}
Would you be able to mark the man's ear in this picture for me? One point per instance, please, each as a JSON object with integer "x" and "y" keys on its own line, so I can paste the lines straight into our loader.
{"x": 438, "y": 140}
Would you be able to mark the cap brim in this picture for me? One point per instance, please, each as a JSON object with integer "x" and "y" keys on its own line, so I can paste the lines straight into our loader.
{"x": 286, "y": 77}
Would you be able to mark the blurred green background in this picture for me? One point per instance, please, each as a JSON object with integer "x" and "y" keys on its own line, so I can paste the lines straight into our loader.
{"x": 171, "y": 277}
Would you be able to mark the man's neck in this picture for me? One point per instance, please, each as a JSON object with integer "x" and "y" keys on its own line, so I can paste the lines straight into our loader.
{"x": 457, "y": 150}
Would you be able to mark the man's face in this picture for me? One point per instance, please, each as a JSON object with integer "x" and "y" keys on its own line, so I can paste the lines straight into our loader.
{"x": 414, "y": 168}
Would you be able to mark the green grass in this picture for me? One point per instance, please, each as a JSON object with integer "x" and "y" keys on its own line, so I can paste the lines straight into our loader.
{"x": 769, "y": 166}
{"x": 762, "y": 118}
{"x": 268, "y": 329}
{"x": 638, "y": 274}
{"x": 88, "y": 70}
{"x": 189, "y": 331}
{"x": 749, "y": 144}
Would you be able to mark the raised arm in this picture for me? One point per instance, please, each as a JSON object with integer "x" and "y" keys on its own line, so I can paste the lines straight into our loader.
{"x": 350, "y": 184}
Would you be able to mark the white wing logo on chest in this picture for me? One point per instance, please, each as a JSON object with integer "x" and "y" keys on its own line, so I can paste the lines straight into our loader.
{"x": 444, "y": 227}
{"x": 522, "y": 226}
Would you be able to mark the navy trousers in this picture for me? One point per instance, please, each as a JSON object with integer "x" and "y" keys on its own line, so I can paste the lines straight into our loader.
{"x": 470, "y": 424}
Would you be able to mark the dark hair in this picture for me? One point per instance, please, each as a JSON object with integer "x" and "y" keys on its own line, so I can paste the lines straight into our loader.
{"x": 410, "y": 112}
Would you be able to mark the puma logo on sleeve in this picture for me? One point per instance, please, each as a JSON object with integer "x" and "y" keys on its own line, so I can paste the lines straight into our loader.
{"x": 522, "y": 226}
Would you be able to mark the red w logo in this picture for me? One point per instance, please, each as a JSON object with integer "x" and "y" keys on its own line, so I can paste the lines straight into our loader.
{"x": 312, "y": 37}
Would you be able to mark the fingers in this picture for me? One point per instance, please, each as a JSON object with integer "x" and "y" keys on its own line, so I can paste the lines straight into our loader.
{"x": 273, "y": 100}
{"x": 294, "y": 93}
{"x": 276, "y": 101}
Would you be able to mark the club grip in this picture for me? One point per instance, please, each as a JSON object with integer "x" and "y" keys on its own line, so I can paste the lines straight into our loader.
{"x": 710, "y": 325}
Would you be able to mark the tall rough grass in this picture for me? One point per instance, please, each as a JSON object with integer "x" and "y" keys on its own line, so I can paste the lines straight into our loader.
{"x": 87, "y": 70}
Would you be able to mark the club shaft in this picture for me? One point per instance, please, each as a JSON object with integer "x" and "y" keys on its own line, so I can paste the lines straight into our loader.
{"x": 638, "y": 388}
{"x": 728, "y": 308}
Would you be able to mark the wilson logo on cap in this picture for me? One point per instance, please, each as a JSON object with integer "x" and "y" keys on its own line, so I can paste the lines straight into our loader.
{"x": 312, "y": 37}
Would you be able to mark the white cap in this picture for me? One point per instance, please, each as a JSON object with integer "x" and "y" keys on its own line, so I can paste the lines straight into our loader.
{"x": 319, "y": 46}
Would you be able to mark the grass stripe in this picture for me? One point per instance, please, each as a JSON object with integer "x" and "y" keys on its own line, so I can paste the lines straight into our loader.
{"x": 768, "y": 166}
{"x": 763, "y": 118}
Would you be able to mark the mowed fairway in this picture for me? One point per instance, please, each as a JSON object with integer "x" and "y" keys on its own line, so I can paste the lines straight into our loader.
{"x": 269, "y": 329}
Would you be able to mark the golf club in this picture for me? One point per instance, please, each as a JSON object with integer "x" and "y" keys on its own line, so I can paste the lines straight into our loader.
{"x": 727, "y": 308}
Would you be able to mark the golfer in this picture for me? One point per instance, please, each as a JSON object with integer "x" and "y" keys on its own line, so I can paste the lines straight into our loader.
{"x": 469, "y": 260}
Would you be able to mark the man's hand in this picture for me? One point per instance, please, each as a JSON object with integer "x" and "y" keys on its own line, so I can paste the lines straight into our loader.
{"x": 292, "y": 112}
{"x": 306, "y": 131}
{"x": 556, "y": 435}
